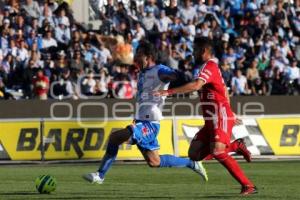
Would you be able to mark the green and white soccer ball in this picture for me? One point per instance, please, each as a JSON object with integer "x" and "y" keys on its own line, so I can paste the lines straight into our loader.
{"x": 45, "y": 184}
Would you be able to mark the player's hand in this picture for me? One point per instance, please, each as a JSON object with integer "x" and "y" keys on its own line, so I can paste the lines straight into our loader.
{"x": 160, "y": 93}
{"x": 238, "y": 121}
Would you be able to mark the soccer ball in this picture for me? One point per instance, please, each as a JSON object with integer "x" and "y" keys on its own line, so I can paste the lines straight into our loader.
{"x": 45, "y": 184}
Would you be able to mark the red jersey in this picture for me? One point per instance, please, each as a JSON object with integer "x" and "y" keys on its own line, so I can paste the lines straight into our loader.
{"x": 41, "y": 85}
{"x": 213, "y": 94}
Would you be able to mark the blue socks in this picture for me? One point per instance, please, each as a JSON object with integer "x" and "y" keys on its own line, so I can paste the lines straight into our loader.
{"x": 108, "y": 159}
{"x": 173, "y": 161}
{"x": 165, "y": 160}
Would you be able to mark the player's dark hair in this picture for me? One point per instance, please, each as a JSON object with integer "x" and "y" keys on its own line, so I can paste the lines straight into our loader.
{"x": 203, "y": 43}
{"x": 148, "y": 49}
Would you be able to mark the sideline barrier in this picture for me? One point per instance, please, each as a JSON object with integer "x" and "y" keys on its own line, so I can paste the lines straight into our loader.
{"x": 69, "y": 140}
{"x": 268, "y": 135}
{"x": 282, "y": 134}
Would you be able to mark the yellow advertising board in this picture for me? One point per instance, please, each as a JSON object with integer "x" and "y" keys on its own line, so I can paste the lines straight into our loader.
{"x": 185, "y": 131}
{"x": 71, "y": 140}
{"x": 265, "y": 136}
{"x": 19, "y": 138}
{"x": 282, "y": 134}
{"x": 88, "y": 140}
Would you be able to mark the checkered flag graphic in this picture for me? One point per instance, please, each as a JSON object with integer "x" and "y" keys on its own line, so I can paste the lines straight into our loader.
{"x": 249, "y": 131}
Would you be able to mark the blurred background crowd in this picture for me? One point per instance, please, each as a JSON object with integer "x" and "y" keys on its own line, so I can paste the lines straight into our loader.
{"x": 45, "y": 53}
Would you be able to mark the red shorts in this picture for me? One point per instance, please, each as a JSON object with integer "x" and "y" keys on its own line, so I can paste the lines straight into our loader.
{"x": 218, "y": 130}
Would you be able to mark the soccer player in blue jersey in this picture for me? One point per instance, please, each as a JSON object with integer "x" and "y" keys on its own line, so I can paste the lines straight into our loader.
{"x": 145, "y": 128}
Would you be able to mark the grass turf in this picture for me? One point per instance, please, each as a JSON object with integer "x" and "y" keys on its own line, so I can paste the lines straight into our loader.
{"x": 275, "y": 180}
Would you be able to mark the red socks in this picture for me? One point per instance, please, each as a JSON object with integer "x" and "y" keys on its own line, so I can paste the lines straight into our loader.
{"x": 233, "y": 167}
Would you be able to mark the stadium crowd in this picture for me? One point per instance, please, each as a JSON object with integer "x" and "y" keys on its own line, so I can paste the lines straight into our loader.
{"x": 45, "y": 53}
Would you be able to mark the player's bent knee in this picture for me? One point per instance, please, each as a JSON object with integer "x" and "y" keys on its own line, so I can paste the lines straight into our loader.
{"x": 153, "y": 164}
{"x": 220, "y": 155}
{"x": 113, "y": 137}
{"x": 153, "y": 161}
{"x": 119, "y": 136}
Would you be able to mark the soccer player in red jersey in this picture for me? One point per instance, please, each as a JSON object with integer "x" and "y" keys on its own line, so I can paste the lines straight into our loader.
{"x": 213, "y": 140}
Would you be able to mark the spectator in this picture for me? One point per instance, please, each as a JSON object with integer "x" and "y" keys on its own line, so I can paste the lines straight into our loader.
{"x": 163, "y": 53}
{"x": 293, "y": 77}
{"x": 204, "y": 30}
{"x": 226, "y": 73}
{"x": 41, "y": 85}
{"x": 280, "y": 16}
{"x": 212, "y": 7}
{"x": 278, "y": 83}
{"x": 63, "y": 87}
{"x": 190, "y": 30}
{"x": 60, "y": 66}
{"x": 176, "y": 27}
{"x": 89, "y": 52}
{"x": 89, "y": 84}
{"x": 12, "y": 49}
{"x": 163, "y": 22}
{"x": 46, "y": 16}
{"x": 152, "y": 6}
{"x": 285, "y": 50}
{"x": 53, "y": 5}
{"x": 252, "y": 72}
{"x": 7, "y": 66}
{"x": 62, "y": 33}
{"x": 34, "y": 38}
{"x": 270, "y": 7}
{"x": 48, "y": 41}
{"x": 105, "y": 56}
{"x": 22, "y": 53}
{"x": 239, "y": 84}
{"x": 149, "y": 20}
{"x": 77, "y": 63}
{"x": 216, "y": 30}
{"x": 259, "y": 38}
{"x": 187, "y": 12}
{"x": 172, "y": 9}
{"x": 48, "y": 65}
{"x": 230, "y": 57}
{"x": 201, "y": 10}
{"x": 101, "y": 87}
{"x": 123, "y": 88}
{"x": 138, "y": 33}
{"x": 258, "y": 87}
{"x": 263, "y": 62}
{"x": 4, "y": 95}
{"x": 32, "y": 8}
{"x": 292, "y": 72}
{"x": 14, "y": 7}
{"x": 62, "y": 18}
{"x": 27, "y": 80}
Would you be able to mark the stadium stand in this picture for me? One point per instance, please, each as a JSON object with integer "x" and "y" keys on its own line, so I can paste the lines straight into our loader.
{"x": 45, "y": 53}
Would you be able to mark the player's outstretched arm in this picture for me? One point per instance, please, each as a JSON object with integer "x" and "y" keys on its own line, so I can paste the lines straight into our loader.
{"x": 187, "y": 88}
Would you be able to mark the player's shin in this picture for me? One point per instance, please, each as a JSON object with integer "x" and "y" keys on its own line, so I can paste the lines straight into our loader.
{"x": 108, "y": 159}
{"x": 173, "y": 161}
{"x": 233, "y": 167}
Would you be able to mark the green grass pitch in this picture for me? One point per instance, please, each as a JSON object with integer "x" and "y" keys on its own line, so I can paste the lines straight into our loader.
{"x": 275, "y": 180}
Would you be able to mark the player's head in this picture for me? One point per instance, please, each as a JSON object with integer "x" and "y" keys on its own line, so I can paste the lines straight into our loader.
{"x": 145, "y": 54}
{"x": 203, "y": 49}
